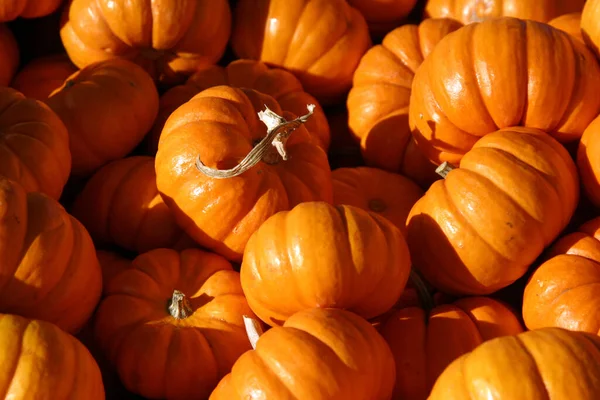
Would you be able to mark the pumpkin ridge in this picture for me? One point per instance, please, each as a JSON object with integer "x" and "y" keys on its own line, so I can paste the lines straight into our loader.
{"x": 519, "y": 341}
{"x": 20, "y": 335}
{"x": 594, "y": 344}
{"x": 568, "y": 345}
{"x": 269, "y": 367}
{"x": 478, "y": 87}
{"x": 284, "y": 57}
{"x": 21, "y": 167}
{"x": 69, "y": 345}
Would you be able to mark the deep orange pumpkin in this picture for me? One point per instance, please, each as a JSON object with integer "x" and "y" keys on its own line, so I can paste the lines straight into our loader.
{"x": 590, "y": 28}
{"x": 12, "y": 9}
{"x": 43, "y": 75}
{"x": 111, "y": 264}
{"x": 9, "y": 54}
{"x": 383, "y": 15}
{"x": 588, "y": 161}
{"x": 570, "y": 23}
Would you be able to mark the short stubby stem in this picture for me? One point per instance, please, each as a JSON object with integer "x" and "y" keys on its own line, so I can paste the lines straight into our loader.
{"x": 254, "y": 330}
{"x": 179, "y": 306}
{"x": 444, "y": 169}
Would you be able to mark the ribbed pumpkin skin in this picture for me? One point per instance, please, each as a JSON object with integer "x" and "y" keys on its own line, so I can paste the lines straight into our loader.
{"x": 43, "y": 75}
{"x": 116, "y": 92}
{"x": 111, "y": 264}
{"x": 424, "y": 345}
{"x": 34, "y": 144}
{"x": 319, "y": 354}
{"x": 318, "y": 255}
{"x": 570, "y": 23}
{"x": 282, "y": 85}
{"x": 221, "y": 214}
{"x": 383, "y": 15}
{"x": 550, "y": 363}
{"x": 170, "y": 39}
{"x": 120, "y": 204}
{"x": 480, "y": 228}
{"x": 12, "y": 9}
{"x": 468, "y": 11}
{"x": 565, "y": 290}
{"x": 40, "y": 361}
{"x": 146, "y": 344}
{"x": 379, "y": 99}
{"x": 48, "y": 264}
{"x": 320, "y": 41}
{"x": 497, "y": 74}
{"x": 590, "y": 28}
{"x": 588, "y": 161}
{"x": 9, "y": 54}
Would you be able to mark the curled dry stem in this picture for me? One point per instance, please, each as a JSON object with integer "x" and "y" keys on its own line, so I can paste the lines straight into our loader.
{"x": 254, "y": 330}
{"x": 278, "y": 132}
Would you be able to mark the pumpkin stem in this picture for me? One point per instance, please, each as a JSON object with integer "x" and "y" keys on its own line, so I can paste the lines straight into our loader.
{"x": 444, "y": 169}
{"x": 278, "y": 132}
{"x": 422, "y": 291}
{"x": 254, "y": 330}
{"x": 179, "y": 306}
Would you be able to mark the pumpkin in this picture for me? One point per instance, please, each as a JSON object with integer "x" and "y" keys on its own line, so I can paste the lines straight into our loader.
{"x": 43, "y": 75}
{"x": 512, "y": 73}
{"x": 479, "y": 229}
{"x": 565, "y": 290}
{"x": 34, "y": 144}
{"x": 570, "y": 23}
{"x": 170, "y": 39}
{"x": 48, "y": 264}
{"x": 111, "y": 264}
{"x": 590, "y": 28}
{"x": 388, "y": 194}
{"x": 123, "y": 101}
{"x": 319, "y": 354}
{"x": 12, "y": 9}
{"x": 276, "y": 82}
{"x": 468, "y": 11}
{"x": 121, "y": 205}
{"x": 588, "y": 162}
{"x": 318, "y": 255}
{"x": 175, "y": 315}
{"x": 216, "y": 130}
{"x": 379, "y": 99}
{"x": 320, "y": 41}
{"x": 40, "y": 361}
{"x": 9, "y": 53}
{"x": 550, "y": 363}
{"x": 383, "y": 15}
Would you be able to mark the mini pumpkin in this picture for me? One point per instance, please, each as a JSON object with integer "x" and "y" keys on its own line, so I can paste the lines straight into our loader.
{"x": 570, "y": 23}
{"x": 550, "y": 363}
{"x": 320, "y": 41}
{"x": 170, "y": 39}
{"x": 175, "y": 315}
{"x": 383, "y": 15}
{"x": 319, "y": 354}
{"x": 479, "y": 229}
{"x": 12, "y": 9}
{"x": 590, "y": 28}
{"x": 42, "y": 76}
{"x": 512, "y": 73}
{"x": 122, "y": 99}
{"x": 588, "y": 161}
{"x": 9, "y": 54}
{"x": 48, "y": 264}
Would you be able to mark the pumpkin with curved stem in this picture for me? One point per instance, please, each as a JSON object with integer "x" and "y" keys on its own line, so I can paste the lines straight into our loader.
{"x": 512, "y": 73}
{"x": 116, "y": 92}
{"x": 318, "y": 255}
{"x": 565, "y": 290}
{"x": 177, "y": 315}
{"x": 12, "y": 9}
{"x": 550, "y": 363}
{"x": 42, "y": 76}
{"x": 283, "y": 86}
{"x": 217, "y": 130}
{"x": 390, "y": 195}
{"x": 570, "y": 23}
{"x": 480, "y": 228}
{"x": 588, "y": 162}
{"x": 9, "y": 54}
{"x": 353, "y": 361}
{"x": 48, "y": 264}
{"x": 34, "y": 144}
{"x": 590, "y": 28}
{"x": 40, "y": 361}
{"x": 121, "y": 205}
{"x": 170, "y": 39}
{"x": 383, "y": 15}
{"x": 379, "y": 99}
{"x": 320, "y": 41}
{"x": 468, "y": 11}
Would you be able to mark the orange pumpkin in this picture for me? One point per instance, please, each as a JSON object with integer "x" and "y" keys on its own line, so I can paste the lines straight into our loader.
{"x": 390, "y": 195}
{"x": 383, "y": 15}
{"x": 123, "y": 101}
{"x": 588, "y": 161}
{"x": 175, "y": 315}
{"x": 12, "y": 9}
{"x": 170, "y": 39}
{"x": 565, "y": 290}
{"x": 278, "y": 83}
{"x": 121, "y": 205}
{"x": 320, "y": 41}
{"x": 34, "y": 144}
{"x": 111, "y": 264}
{"x": 318, "y": 255}
{"x": 513, "y": 73}
{"x": 40, "y": 361}
{"x": 480, "y": 228}
{"x": 48, "y": 264}
{"x": 468, "y": 11}
{"x": 217, "y": 128}
{"x": 43, "y": 75}
{"x": 590, "y": 28}
{"x": 9, "y": 54}
{"x": 549, "y": 363}
{"x": 379, "y": 99}
{"x": 570, "y": 23}
{"x": 319, "y": 354}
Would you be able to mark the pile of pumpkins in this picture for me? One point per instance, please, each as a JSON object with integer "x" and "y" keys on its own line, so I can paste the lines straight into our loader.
{"x": 300, "y": 199}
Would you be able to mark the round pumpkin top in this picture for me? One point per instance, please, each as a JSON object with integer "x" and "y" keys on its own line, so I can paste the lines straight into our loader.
{"x": 570, "y": 23}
